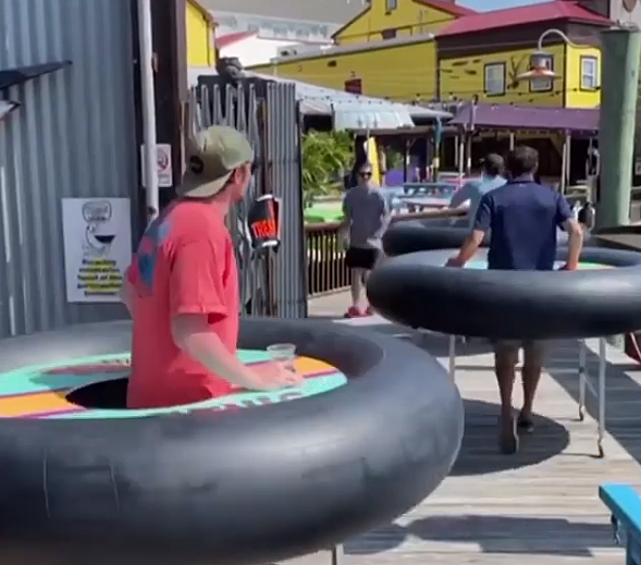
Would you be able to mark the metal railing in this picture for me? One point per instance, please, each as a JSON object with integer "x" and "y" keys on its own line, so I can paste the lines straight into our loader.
{"x": 326, "y": 270}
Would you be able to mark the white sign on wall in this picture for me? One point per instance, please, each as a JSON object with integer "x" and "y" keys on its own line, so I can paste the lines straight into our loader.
{"x": 163, "y": 165}
{"x": 97, "y": 247}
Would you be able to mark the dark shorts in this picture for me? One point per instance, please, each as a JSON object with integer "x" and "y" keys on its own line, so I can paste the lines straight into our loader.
{"x": 365, "y": 259}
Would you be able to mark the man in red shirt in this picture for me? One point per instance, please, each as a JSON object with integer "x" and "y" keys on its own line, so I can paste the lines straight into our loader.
{"x": 182, "y": 287}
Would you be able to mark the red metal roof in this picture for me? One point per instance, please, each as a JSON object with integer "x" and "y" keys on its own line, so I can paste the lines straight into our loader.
{"x": 231, "y": 38}
{"x": 547, "y": 11}
{"x": 448, "y": 6}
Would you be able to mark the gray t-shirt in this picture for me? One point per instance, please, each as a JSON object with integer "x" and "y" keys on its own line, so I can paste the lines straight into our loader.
{"x": 367, "y": 211}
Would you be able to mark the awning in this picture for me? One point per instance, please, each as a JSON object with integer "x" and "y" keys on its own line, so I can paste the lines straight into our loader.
{"x": 20, "y": 75}
{"x": 349, "y": 111}
{"x": 507, "y": 116}
{"x": 355, "y": 111}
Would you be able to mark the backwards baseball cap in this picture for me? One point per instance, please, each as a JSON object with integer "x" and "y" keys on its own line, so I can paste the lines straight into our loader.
{"x": 212, "y": 157}
{"x": 492, "y": 161}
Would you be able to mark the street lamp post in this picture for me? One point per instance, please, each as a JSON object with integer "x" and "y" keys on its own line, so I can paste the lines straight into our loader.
{"x": 620, "y": 58}
{"x": 538, "y": 59}
{"x": 620, "y": 55}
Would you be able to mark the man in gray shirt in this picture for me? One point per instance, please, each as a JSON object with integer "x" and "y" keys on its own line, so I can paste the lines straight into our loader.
{"x": 474, "y": 190}
{"x": 367, "y": 213}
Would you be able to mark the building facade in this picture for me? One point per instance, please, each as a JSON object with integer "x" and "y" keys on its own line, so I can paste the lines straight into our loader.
{"x": 430, "y": 50}
{"x": 200, "y": 35}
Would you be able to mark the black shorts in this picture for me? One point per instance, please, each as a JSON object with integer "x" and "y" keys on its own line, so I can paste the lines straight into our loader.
{"x": 365, "y": 259}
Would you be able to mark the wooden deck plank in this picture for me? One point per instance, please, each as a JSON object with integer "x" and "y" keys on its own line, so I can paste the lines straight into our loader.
{"x": 538, "y": 507}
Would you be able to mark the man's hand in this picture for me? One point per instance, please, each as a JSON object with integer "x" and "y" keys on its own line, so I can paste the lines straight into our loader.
{"x": 274, "y": 376}
{"x": 455, "y": 262}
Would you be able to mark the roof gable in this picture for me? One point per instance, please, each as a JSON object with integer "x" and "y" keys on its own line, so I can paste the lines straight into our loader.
{"x": 229, "y": 39}
{"x": 533, "y": 13}
{"x": 447, "y": 6}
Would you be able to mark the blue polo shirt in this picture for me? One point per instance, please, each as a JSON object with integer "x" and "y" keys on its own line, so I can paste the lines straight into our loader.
{"x": 523, "y": 217}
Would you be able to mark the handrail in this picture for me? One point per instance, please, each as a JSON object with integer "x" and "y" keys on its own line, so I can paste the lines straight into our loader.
{"x": 424, "y": 215}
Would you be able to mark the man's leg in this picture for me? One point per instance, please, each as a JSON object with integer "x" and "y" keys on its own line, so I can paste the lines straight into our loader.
{"x": 374, "y": 257}
{"x": 506, "y": 355}
{"x": 534, "y": 353}
{"x": 353, "y": 262}
{"x": 357, "y": 288}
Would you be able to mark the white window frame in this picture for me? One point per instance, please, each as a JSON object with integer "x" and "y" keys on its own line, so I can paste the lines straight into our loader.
{"x": 589, "y": 79}
{"x": 543, "y": 84}
{"x": 391, "y": 5}
{"x": 494, "y": 85}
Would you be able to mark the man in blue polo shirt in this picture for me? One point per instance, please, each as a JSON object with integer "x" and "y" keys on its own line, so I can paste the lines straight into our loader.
{"x": 523, "y": 217}
{"x": 473, "y": 190}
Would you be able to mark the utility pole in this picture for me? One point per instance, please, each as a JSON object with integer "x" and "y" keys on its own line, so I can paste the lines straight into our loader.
{"x": 620, "y": 58}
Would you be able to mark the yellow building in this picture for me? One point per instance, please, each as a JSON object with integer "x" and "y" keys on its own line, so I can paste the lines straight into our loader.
{"x": 200, "y": 29}
{"x": 390, "y": 19}
{"x": 436, "y": 50}
{"x": 398, "y": 69}
{"x": 387, "y": 51}
{"x": 482, "y": 55}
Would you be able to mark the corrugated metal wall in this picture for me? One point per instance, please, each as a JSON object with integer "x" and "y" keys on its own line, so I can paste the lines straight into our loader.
{"x": 73, "y": 136}
{"x": 268, "y": 113}
{"x": 283, "y": 153}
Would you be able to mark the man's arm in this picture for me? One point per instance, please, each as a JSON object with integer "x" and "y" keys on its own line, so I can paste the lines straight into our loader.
{"x": 385, "y": 215}
{"x": 463, "y": 194}
{"x": 566, "y": 220}
{"x": 196, "y": 300}
{"x": 482, "y": 223}
{"x": 347, "y": 217}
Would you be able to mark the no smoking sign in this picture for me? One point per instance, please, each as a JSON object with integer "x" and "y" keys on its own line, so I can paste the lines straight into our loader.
{"x": 163, "y": 165}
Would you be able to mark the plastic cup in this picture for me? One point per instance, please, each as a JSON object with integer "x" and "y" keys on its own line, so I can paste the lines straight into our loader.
{"x": 283, "y": 353}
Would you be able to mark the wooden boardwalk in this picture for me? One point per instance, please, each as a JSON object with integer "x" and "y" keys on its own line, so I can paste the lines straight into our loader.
{"x": 537, "y": 507}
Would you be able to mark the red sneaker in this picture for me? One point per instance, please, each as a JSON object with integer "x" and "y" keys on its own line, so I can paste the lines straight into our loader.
{"x": 353, "y": 312}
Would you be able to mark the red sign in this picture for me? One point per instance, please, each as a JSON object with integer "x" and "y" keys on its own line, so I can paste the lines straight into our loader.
{"x": 264, "y": 221}
{"x": 354, "y": 86}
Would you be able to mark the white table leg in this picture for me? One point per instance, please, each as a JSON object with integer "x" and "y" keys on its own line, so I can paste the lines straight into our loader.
{"x": 336, "y": 554}
{"x": 601, "y": 396}
{"x": 452, "y": 349}
{"x": 582, "y": 377}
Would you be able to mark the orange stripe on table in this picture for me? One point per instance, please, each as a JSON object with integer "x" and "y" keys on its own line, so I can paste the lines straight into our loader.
{"x": 30, "y": 404}
{"x": 308, "y": 366}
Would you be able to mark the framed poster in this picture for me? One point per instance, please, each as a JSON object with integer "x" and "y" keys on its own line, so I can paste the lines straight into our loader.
{"x": 97, "y": 247}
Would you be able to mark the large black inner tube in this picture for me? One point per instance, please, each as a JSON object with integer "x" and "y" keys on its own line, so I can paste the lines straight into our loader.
{"x": 427, "y": 235}
{"x": 418, "y": 291}
{"x": 256, "y": 485}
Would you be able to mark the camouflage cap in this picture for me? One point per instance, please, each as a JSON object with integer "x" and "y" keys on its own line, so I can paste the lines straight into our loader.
{"x": 211, "y": 159}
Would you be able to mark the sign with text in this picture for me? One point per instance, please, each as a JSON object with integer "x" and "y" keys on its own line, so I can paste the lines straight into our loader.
{"x": 164, "y": 169}
{"x": 97, "y": 247}
{"x": 263, "y": 219}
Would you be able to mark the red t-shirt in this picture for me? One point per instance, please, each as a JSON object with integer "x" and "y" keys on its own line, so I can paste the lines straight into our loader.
{"x": 185, "y": 264}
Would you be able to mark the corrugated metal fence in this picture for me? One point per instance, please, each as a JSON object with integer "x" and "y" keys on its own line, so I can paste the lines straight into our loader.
{"x": 268, "y": 113}
{"x": 72, "y": 136}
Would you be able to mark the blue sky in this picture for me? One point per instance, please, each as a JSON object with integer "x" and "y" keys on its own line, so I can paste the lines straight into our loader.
{"x": 486, "y": 5}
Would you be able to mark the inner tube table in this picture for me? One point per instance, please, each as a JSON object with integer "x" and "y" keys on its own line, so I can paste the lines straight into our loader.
{"x": 601, "y": 298}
